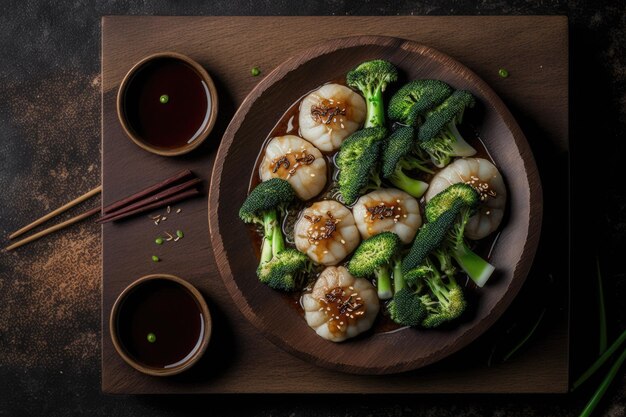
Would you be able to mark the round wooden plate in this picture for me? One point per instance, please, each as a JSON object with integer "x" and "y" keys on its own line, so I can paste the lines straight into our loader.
{"x": 378, "y": 353}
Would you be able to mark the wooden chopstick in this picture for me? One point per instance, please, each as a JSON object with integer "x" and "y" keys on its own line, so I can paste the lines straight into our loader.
{"x": 183, "y": 175}
{"x": 54, "y": 228}
{"x": 150, "y": 200}
{"x": 56, "y": 212}
{"x": 157, "y": 204}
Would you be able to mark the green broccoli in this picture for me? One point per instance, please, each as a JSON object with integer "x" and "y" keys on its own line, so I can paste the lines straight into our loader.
{"x": 441, "y": 297}
{"x": 279, "y": 267}
{"x": 406, "y": 307}
{"x": 477, "y": 268}
{"x": 414, "y": 99}
{"x": 357, "y": 160}
{"x": 430, "y": 237}
{"x": 399, "y": 154}
{"x": 439, "y": 136}
{"x": 374, "y": 257}
{"x": 371, "y": 78}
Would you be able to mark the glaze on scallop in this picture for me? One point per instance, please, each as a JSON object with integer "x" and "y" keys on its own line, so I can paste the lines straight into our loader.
{"x": 387, "y": 210}
{"x": 326, "y": 232}
{"x": 340, "y": 306}
{"x": 294, "y": 159}
{"x": 329, "y": 115}
{"x": 486, "y": 179}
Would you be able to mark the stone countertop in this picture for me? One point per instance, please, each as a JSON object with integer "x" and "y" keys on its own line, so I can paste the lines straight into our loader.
{"x": 50, "y": 290}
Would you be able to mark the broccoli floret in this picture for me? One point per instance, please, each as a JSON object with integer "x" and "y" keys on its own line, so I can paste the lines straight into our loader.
{"x": 278, "y": 267}
{"x": 414, "y": 99}
{"x": 439, "y": 136}
{"x": 371, "y": 78}
{"x": 374, "y": 257}
{"x": 443, "y": 201}
{"x": 357, "y": 160}
{"x": 406, "y": 307}
{"x": 477, "y": 268}
{"x": 430, "y": 237}
{"x": 444, "y": 300}
{"x": 399, "y": 155}
{"x": 283, "y": 270}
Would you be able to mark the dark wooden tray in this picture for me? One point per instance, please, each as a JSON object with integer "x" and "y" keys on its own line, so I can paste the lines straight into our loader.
{"x": 533, "y": 49}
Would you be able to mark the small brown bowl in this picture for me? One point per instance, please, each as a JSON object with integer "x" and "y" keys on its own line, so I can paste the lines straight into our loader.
{"x": 128, "y": 335}
{"x": 142, "y": 113}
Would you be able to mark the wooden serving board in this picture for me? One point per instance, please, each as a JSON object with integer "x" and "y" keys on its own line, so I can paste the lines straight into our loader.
{"x": 240, "y": 359}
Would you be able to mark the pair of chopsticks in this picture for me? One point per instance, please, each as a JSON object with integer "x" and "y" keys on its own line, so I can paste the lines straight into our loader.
{"x": 169, "y": 191}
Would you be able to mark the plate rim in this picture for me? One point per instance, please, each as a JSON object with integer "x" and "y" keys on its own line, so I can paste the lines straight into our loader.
{"x": 535, "y": 200}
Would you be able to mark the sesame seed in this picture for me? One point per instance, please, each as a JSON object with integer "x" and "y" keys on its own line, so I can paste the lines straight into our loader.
{"x": 312, "y": 175}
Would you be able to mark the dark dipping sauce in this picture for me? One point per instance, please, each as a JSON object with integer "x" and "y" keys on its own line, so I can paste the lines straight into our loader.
{"x": 172, "y": 122}
{"x": 288, "y": 125}
{"x": 167, "y": 312}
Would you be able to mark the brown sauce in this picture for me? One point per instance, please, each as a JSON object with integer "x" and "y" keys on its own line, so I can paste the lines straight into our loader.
{"x": 288, "y": 124}
{"x": 167, "y": 103}
{"x": 160, "y": 324}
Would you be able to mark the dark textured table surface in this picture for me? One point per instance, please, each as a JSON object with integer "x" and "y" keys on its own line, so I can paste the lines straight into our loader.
{"x": 49, "y": 153}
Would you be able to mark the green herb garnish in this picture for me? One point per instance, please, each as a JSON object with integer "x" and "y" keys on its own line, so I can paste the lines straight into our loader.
{"x": 164, "y": 99}
{"x": 180, "y": 234}
{"x": 155, "y": 258}
{"x": 151, "y": 337}
{"x": 503, "y": 73}
{"x": 255, "y": 71}
{"x": 158, "y": 240}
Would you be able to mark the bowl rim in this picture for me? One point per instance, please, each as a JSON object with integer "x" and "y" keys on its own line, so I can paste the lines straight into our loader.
{"x": 117, "y": 344}
{"x": 126, "y": 125}
{"x": 535, "y": 200}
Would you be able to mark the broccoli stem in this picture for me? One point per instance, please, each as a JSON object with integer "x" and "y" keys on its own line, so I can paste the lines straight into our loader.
{"x": 459, "y": 146}
{"x": 375, "y": 109}
{"x": 476, "y": 267}
{"x": 398, "y": 277}
{"x": 269, "y": 220}
{"x": 278, "y": 242}
{"x": 383, "y": 283}
{"x": 415, "y": 188}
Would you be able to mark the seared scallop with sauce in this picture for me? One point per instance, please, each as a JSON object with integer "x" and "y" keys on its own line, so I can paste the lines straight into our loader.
{"x": 326, "y": 232}
{"x": 387, "y": 210}
{"x": 329, "y": 115}
{"x": 294, "y": 159}
{"x": 340, "y": 306}
{"x": 485, "y": 178}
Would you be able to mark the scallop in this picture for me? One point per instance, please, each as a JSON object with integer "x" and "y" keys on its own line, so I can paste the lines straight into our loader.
{"x": 387, "y": 210}
{"x": 297, "y": 161}
{"x": 340, "y": 306}
{"x": 330, "y": 114}
{"x": 486, "y": 179}
{"x": 326, "y": 232}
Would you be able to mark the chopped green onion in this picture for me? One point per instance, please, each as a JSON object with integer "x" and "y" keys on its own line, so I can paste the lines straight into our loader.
{"x": 255, "y": 71}
{"x": 164, "y": 99}
{"x": 600, "y": 361}
{"x": 155, "y": 258}
{"x": 180, "y": 234}
{"x": 597, "y": 396}
{"x": 503, "y": 73}
{"x": 151, "y": 337}
{"x": 158, "y": 240}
